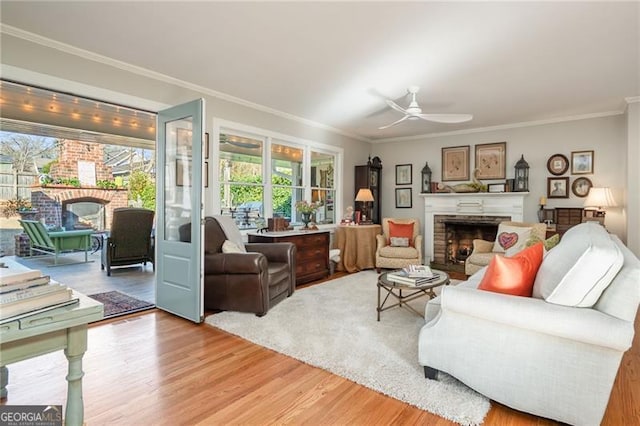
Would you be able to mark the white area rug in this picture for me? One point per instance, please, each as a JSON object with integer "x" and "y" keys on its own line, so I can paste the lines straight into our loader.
{"x": 333, "y": 326}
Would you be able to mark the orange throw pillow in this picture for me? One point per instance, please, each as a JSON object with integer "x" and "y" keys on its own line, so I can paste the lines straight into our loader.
{"x": 514, "y": 275}
{"x": 401, "y": 230}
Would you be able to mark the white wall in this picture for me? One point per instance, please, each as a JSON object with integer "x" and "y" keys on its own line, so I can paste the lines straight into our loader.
{"x": 632, "y": 209}
{"x": 606, "y": 136}
{"x": 107, "y": 81}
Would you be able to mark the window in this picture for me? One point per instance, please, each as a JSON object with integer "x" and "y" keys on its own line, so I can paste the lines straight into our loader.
{"x": 263, "y": 176}
{"x": 241, "y": 184}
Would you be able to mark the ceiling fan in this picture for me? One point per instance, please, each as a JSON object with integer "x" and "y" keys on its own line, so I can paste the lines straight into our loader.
{"x": 414, "y": 112}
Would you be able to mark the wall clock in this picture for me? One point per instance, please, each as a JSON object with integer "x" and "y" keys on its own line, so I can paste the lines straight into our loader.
{"x": 557, "y": 164}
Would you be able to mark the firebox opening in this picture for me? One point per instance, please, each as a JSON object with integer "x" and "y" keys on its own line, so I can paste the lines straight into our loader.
{"x": 454, "y": 235}
{"x": 84, "y": 214}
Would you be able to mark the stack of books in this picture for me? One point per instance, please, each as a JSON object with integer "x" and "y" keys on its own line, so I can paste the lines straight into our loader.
{"x": 27, "y": 291}
{"x": 414, "y": 275}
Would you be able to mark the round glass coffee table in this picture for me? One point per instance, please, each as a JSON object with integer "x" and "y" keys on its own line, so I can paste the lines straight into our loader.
{"x": 411, "y": 292}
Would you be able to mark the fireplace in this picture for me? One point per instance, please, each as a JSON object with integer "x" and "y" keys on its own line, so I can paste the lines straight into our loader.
{"x": 452, "y": 221}
{"x": 454, "y": 235}
{"x": 84, "y": 213}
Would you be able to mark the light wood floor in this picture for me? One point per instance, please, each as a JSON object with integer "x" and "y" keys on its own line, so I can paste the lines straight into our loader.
{"x": 154, "y": 368}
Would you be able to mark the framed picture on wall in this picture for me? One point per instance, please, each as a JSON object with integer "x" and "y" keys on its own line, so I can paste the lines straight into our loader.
{"x": 557, "y": 164}
{"x": 403, "y": 198}
{"x": 455, "y": 163}
{"x": 581, "y": 186}
{"x": 183, "y": 172}
{"x": 403, "y": 174}
{"x": 558, "y": 187}
{"x": 491, "y": 160}
{"x": 581, "y": 162}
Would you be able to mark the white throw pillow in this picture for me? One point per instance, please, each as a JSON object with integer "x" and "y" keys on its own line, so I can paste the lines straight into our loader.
{"x": 510, "y": 236}
{"x": 399, "y": 242}
{"x": 231, "y": 247}
{"x": 579, "y": 269}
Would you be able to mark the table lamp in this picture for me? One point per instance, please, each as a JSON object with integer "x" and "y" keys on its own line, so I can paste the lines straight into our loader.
{"x": 597, "y": 200}
{"x": 364, "y": 196}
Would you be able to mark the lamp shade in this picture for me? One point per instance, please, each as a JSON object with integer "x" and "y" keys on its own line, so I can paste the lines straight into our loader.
{"x": 599, "y": 198}
{"x": 364, "y": 194}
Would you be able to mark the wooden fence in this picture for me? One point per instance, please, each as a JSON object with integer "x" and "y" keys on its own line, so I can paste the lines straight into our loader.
{"x": 13, "y": 184}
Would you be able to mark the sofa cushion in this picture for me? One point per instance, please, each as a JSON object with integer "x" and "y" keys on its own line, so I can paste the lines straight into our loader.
{"x": 513, "y": 275}
{"x": 579, "y": 269}
{"x": 510, "y": 236}
{"x": 401, "y": 230}
{"x": 521, "y": 244}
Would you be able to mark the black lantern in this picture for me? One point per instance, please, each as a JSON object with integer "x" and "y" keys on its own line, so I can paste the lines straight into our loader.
{"x": 522, "y": 176}
{"x": 426, "y": 179}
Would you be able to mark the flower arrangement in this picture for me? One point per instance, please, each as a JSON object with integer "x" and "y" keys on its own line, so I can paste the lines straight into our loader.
{"x": 306, "y": 207}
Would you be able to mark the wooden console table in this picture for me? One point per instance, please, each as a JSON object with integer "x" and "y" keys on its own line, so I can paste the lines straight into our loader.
{"x": 49, "y": 331}
{"x": 312, "y": 251}
{"x": 357, "y": 244}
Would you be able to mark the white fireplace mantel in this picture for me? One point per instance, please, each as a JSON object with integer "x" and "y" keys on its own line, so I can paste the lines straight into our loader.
{"x": 468, "y": 204}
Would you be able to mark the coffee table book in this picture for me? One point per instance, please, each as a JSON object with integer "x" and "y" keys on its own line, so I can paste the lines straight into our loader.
{"x": 8, "y": 310}
{"x": 401, "y": 277}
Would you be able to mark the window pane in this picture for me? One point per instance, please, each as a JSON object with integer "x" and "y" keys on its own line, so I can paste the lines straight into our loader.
{"x": 325, "y": 213}
{"x": 240, "y": 159}
{"x": 322, "y": 170}
{"x": 245, "y": 205}
{"x": 286, "y": 165}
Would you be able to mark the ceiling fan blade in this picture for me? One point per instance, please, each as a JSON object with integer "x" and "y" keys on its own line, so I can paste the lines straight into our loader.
{"x": 394, "y": 123}
{"x": 396, "y": 106}
{"x": 446, "y": 118}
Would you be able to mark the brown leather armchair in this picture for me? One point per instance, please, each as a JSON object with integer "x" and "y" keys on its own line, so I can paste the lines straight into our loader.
{"x": 246, "y": 282}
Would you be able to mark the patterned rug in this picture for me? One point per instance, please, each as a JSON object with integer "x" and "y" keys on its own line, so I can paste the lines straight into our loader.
{"x": 116, "y": 303}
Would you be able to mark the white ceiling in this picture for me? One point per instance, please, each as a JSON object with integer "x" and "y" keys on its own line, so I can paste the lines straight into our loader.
{"x": 334, "y": 62}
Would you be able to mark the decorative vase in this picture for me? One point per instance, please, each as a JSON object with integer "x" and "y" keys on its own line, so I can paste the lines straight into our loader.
{"x": 306, "y": 218}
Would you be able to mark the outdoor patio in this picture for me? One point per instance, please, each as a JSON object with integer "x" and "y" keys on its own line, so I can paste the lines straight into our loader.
{"x": 137, "y": 281}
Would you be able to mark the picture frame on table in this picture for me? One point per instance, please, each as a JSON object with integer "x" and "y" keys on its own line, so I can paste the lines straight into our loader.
{"x": 582, "y": 162}
{"x": 404, "y": 174}
{"x": 558, "y": 164}
{"x": 455, "y": 163}
{"x": 491, "y": 160}
{"x": 403, "y": 198}
{"x": 558, "y": 187}
{"x": 497, "y": 187}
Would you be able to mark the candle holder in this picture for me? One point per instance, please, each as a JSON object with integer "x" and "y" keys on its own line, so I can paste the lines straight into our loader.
{"x": 541, "y": 213}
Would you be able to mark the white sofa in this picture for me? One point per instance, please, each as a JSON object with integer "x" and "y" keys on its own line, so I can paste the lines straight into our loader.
{"x": 548, "y": 359}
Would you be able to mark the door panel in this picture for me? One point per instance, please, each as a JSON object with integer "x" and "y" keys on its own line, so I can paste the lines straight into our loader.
{"x": 179, "y": 264}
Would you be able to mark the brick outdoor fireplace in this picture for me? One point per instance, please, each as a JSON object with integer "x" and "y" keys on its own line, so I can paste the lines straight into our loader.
{"x": 453, "y": 221}
{"x": 86, "y": 207}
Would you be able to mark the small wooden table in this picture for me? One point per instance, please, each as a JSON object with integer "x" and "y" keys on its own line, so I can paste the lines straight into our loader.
{"x": 357, "y": 244}
{"x": 413, "y": 292}
{"x": 49, "y": 331}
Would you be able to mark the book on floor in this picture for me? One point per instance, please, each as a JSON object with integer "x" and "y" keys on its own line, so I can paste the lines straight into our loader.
{"x": 33, "y": 303}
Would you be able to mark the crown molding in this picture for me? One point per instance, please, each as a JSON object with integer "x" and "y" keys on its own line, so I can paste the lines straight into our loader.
{"x": 499, "y": 127}
{"x": 632, "y": 99}
{"x": 67, "y": 48}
